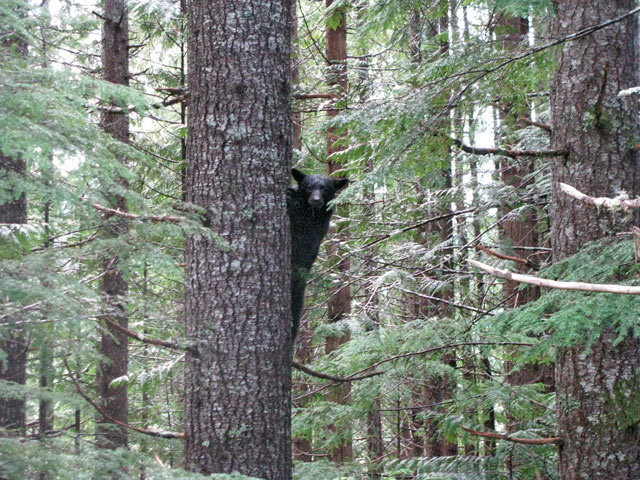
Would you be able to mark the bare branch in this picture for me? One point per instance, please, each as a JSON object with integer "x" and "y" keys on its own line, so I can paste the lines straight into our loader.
{"x": 526, "y": 441}
{"x": 620, "y": 202}
{"x": 132, "y": 216}
{"x": 502, "y": 256}
{"x": 153, "y": 433}
{"x": 508, "y": 153}
{"x": 326, "y": 376}
{"x": 543, "y": 282}
{"x": 135, "y": 336}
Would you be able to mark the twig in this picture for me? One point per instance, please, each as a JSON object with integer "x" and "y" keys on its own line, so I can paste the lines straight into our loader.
{"x": 543, "y": 282}
{"x": 610, "y": 203}
{"x": 501, "y": 255}
{"x": 132, "y": 216}
{"x": 153, "y": 433}
{"x": 135, "y": 336}
{"x": 508, "y": 153}
{"x": 526, "y": 441}
{"x": 442, "y": 300}
{"x": 326, "y": 376}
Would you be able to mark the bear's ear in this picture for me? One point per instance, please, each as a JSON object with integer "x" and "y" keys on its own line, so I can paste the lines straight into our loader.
{"x": 297, "y": 174}
{"x": 340, "y": 183}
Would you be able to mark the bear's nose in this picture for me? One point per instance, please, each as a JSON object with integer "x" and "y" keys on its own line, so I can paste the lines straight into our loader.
{"x": 315, "y": 200}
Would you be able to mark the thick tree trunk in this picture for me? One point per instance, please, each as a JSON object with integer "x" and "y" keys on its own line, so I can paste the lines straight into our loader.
{"x": 339, "y": 304}
{"x": 597, "y": 390}
{"x": 13, "y": 341}
{"x": 238, "y": 320}
{"x": 114, "y": 344}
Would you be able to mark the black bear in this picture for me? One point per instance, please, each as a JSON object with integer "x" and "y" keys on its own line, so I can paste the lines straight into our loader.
{"x": 309, "y": 218}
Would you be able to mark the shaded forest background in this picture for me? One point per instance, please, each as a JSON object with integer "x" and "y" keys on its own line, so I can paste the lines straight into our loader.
{"x": 450, "y": 120}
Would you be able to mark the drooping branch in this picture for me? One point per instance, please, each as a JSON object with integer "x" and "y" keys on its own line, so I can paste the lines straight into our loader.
{"x": 153, "y": 433}
{"x": 507, "y": 152}
{"x": 543, "y": 282}
{"x": 326, "y": 376}
{"x": 509, "y": 438}
{"x": 620, "y": 202}
{"x": 132, "y": 216}
{"x": 140, "y": 338}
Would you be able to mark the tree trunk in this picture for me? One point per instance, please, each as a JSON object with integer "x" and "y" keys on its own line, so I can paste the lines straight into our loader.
{"x": 339, "y": 304}
{"x": 597, "y": 390}
{"x": 114, "y": 344}
{"x": 237, "y": 312}
{"x": 13, "y": 341}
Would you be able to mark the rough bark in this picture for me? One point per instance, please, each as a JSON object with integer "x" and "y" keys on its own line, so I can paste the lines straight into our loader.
{"x": 114, "y": 343}
{"x": 13, "y": 340}
{"x": 597, "y": 390}
{"x": 339, "y": 304}
{"x": 237, "y": 312}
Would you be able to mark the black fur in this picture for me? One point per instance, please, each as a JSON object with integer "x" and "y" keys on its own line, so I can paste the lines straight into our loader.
{"x": 309, "y": 217}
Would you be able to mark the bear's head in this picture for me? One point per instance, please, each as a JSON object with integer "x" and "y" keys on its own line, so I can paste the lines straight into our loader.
{"x": 318, "y": 190}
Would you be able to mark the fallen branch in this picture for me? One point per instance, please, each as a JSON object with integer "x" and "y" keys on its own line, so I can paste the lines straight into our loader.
{"x": 153, "y": 433}
{"x": 621, "y": 202}
{"x": 543, "y": 282}
{"x": 502, "y": 256}
{"x": 509, "y": 438}
{"x": 326, "y": 376}
{"x": 506, "y": 152}
{"x": 132, "y": 216}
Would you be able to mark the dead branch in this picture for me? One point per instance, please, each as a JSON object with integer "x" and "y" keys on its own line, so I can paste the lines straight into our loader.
{"x": 308, "y": 96}
{"x": 543, "y": 282}
{"x": 611, "y": 203}
{"x": 153, "y": 433}
{"x": 135, "y": 336}
{"x": 506, "y": 152}
{"x": 502, "y": 256}
{"x": 326, "y": 376}
{"x": 509, "y": 438}
{"x": 132, "y": 216}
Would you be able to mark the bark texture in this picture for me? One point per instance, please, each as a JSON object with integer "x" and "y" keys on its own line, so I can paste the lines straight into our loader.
{"x": 238, "y": 372}
{"x": 114, "y": 344}
{"x": 597, "y": 390}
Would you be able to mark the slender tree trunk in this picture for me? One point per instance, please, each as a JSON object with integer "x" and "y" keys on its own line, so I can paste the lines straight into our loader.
{"x": 114, "y": 344}
{"x": 598, "y": 389}
{"x": 237, "y": 313}
{"x": 339, "y": 304}
{"x": 13, "y": 340}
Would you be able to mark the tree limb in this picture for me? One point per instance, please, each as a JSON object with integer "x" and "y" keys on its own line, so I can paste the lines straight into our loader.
{"x": 526, "y": 441}
{"x": 507, "y": 153}
{"x": 153, "y": 433}
{"x": 326, "y": 376}
{"x": 502, "y": 256}
{"x": 135, "y": 336}
{"x": 132, "y": 216}
{"x": 543, "y": 282}
{"x": 621, "y": 202}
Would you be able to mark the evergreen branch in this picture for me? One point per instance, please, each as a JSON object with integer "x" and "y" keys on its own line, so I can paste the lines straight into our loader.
{"x": 506, "y": 152}
{"x": 610, "y": 203}
{"x": 502, "y": 256}
{"x": 326, "y": 376}
{"x": 509, "y": 438}
{"x": 132, "y": 216}
{"x": 100, "y": 410}
{"x": 543, "y": 282}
